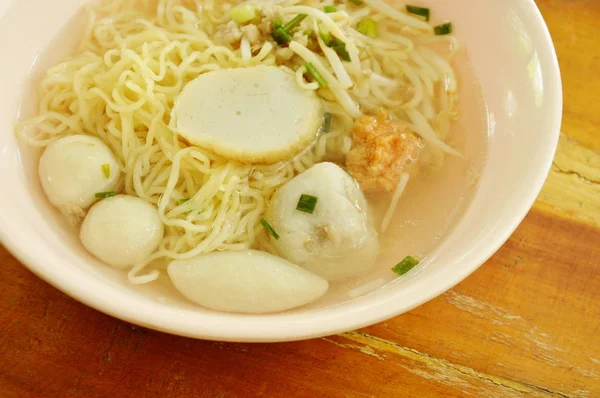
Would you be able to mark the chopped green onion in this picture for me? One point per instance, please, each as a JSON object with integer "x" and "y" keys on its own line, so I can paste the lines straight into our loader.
{"x": 420, "y": 11}
{"x": 329, "y": 9}
{"x": 105, "y": 194}
{"x": 282, "y": 33}
{"x": 357, "y": 2}
{"x": 294, "y": 22}
{"x": 333, "y": 42}
{"x": 314, "y": 73}
{"x": 443, "y": 29}
{"x": 106, "y": 170}
{"x": 307, "y": 203}
{"x": 367, "y": 27}
{"x": 281, "y": 36}
{"x": 340, "y": 48}
{"x": 243, "y": 14}
{"x": 309, "y": 32}
{"x": 324, "y": 33}
{"x": 182, "y": 201}
{"x": 405, "y": 265}
{"x": 269, "y": 228}
{"x": 326, "y": 123}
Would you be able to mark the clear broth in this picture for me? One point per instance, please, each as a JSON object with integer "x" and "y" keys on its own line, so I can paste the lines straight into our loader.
{"x": 431, "y": 206}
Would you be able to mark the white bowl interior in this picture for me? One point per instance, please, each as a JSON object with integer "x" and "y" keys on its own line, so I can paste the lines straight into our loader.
{"x": 512, "y": 54}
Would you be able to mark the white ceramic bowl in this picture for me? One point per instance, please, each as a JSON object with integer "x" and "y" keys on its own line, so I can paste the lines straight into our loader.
{"x": 513, "y": 55}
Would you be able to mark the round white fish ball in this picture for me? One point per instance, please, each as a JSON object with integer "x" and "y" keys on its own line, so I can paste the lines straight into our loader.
{"x": 337, "y": 240}
{"x": 72, "y": 172}
{"x": 122, "y": 230}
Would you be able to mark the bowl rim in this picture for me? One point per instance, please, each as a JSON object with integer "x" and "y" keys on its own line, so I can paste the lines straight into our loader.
{"x": 348, "y": 320}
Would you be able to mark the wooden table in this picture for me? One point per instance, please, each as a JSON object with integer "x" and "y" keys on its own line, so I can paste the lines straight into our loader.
{"x": 527, "y": 323}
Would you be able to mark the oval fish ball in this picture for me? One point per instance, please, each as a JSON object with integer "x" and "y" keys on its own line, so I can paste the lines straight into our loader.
{"x": 250, "y": 281}
{"x": 122, "y": 230}
{"x": 337, "y": 241}
{"x": 71, "y": 172}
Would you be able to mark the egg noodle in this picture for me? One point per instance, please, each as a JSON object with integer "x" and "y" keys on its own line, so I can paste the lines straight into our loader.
{"x": 137, "y": 56}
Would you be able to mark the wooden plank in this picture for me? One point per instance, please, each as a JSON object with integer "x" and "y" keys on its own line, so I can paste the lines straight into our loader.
{"x": 574, "y": 26}
{"x": 573, "y": 186}
{"x": 531, "y": 314}
{"x": 54, "y": 346}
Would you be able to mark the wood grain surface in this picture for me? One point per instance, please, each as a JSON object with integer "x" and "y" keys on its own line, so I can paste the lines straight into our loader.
{"x": 527, "y": 323}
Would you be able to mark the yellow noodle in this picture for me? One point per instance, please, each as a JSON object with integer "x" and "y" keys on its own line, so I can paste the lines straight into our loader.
{"x": 136, "y": 57}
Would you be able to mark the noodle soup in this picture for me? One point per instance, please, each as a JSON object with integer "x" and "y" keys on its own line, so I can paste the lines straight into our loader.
{"x": 381, "y": 101}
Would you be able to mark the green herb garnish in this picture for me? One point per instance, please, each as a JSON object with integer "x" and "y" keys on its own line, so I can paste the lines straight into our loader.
{"x": 294, "y": 22}
{"x": 243, "y": 14}
{"x": 105, "y": 194}
{"x": 443, "y": 29}
{"x": 182, "y": 201}
{"x": 329, "y": 9}
{"x": 282, "y": 34}
{"x": 333, "y": 42}
{"x": 326, "y": 123}
{"x": 269, "y": 229}
{"x": 106, "y": 170}
{"x": 367, "y": 27}
{"x": 307, "y": 203}
{"x": 324, "y": 33}
{"x": 405, "y": 265}
{"x": 340, "y": 48}
{"x": 420, "y": 11}
{"x": 357, "y": 2}
{"x": 314, "y": 73}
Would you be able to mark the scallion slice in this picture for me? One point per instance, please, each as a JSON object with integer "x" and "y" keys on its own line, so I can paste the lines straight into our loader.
{"x": 326, "y": 123}
{"x": 357, "y": 2}
{"x": 307, "y": 203}
{"x": 367, "y": 27}
{"x": 294, "y": 22}
{"x": 314, "y": 73}
{"x": 408, "y": 263}
{"x": 269, "y": 228}
{"x": 333, "y": 42}
{"x": 329, "y": 9}
{"x": 281, "y": 36}
{"x": 340, "y": 48}
{"x": 243, "y": 14}
{"x": 106, "y": 170}
{"x": 105, "y": 194}
{"x": 324, "y": 33}
{"x": 182, "y": 201}
{"x": 443, "y": 29}
{"x": 420, "y": 11}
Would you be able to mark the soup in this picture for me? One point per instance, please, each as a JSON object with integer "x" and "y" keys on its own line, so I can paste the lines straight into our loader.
{"x": 259, "y": 156}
